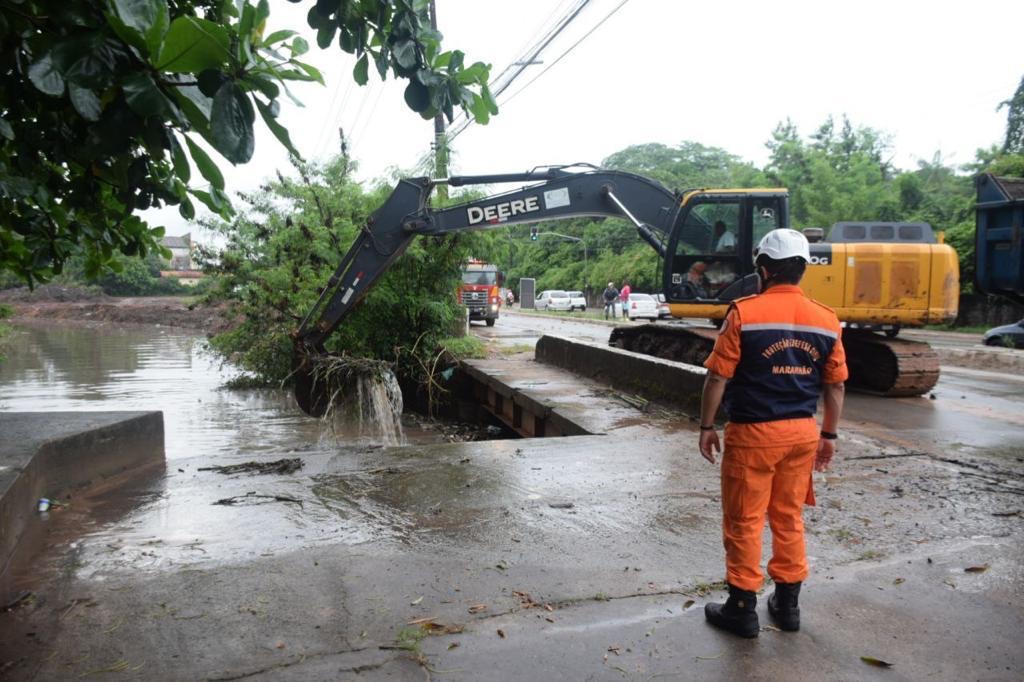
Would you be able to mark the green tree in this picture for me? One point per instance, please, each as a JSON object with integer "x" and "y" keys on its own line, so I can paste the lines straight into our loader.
{"x": 686, "y": 166}
{"x": 103, "y": 104}
{"x": 839, "y": 174}
{"x": 1014, "y": 141}
{"x": 280, "y": 251}
{"x": 140, "y": 277}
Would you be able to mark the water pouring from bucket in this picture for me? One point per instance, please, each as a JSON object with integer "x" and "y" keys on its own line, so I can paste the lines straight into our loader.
{"x": 361, "y": 390}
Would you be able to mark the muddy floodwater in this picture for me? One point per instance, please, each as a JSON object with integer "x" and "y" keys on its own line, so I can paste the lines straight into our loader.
{"x": 82, "y": 368}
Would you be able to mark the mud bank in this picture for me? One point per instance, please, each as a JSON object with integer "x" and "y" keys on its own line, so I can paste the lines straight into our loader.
{"x": 83, "y": 305}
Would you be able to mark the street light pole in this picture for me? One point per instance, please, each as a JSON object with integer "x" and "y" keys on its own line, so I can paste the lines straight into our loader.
{"x": 574, "y": 239}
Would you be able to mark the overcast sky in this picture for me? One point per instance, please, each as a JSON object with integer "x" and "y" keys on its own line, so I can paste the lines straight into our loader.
{"x": 929, "y": 74}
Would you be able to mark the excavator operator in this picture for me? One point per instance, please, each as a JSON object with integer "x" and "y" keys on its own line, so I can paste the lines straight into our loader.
{"x": 777, "y": 352}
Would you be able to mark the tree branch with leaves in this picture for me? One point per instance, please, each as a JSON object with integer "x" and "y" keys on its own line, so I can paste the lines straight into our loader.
{"x": 105, "y": 108}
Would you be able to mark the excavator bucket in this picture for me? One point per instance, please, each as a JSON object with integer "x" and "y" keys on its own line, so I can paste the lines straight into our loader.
{"x": 313, "y": 396}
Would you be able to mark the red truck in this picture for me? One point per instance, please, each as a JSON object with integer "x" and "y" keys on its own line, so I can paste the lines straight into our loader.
{"x": 480, "y": 291}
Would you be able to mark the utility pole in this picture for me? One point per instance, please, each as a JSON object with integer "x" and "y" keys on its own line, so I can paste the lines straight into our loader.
{"x": 440, "y": 144}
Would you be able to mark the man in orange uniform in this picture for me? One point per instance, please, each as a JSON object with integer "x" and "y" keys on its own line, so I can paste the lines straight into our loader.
{"x": 776, "y": 354}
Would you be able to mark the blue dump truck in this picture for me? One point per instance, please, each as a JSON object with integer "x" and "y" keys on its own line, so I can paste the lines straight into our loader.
{"x": 999, "y": 237}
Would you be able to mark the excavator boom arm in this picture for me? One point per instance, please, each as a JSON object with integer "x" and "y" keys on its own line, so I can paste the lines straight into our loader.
{"x": 556, "y": 194}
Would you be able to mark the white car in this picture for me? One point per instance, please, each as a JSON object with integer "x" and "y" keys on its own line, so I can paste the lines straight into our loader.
{"x": 553, "y": 300}
{"x": 642, "y": 307}
{"x": 664, "y": 312}
{"x": 577, "y": 301}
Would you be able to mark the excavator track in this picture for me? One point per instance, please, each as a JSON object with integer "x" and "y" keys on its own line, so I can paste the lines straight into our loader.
{"x": 691, "y": 345}
{"x": 878, "y": 365}
{"x": 889, "y": 367}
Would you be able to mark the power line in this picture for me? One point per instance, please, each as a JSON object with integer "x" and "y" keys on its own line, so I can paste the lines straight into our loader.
{"x": 527, "y": 45}
{"x": 571, "y": 48}
{"x": 374, "y": 90}
{"x": 334, "y": 112}
{"x": 499, "y": 85}
{"x": 369, "y": 118}
{"x": 501, "y": 82}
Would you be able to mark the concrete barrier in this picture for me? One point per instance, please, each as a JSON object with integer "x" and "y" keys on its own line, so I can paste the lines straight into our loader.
{"x": 651, "y": 377}
{"x": 52, "y": 454}
{"x": 531, "y": 416}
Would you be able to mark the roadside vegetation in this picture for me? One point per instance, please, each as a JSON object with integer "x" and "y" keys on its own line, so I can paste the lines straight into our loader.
{"x": 281, "y": 248}
{"x": 463, "y": 347}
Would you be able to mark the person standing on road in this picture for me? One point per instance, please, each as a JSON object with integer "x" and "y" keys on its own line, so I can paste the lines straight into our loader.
{"x": 610, "y": 296}
{"x": 777, "y": 352}
{"x": 624, "y": 293}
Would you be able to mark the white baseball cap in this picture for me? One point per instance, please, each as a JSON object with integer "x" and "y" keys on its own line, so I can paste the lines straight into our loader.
{"x": 782, "y": 244}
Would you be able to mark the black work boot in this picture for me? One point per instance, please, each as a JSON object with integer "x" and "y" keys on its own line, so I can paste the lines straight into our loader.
{"x": 783, "y": 606}
{"x": 737, "y": 614}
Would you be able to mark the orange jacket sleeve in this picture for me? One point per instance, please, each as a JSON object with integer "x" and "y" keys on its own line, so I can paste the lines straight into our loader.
{"x": 835, "y": 367}
{"x": 726, "y": 353}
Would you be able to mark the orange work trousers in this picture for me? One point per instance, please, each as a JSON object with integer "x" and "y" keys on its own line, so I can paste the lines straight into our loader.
{"x": 757, "y": 480}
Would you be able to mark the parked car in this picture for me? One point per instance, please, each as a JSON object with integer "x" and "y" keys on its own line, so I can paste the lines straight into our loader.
{"x": 553, "y": 300}
{"x": 1009, "y": 335}
{"x": 642, "y": 307}
{"x": 663, "y": 310}
{"x": 577, "y": 301}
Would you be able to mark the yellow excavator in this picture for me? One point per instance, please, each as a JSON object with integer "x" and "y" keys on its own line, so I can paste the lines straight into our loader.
{"x": 878, "y": 277}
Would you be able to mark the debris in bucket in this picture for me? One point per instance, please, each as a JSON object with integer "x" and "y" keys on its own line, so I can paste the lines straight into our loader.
{"x": 281, "y": 466}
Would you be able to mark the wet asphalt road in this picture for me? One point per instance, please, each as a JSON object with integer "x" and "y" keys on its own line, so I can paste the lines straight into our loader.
{"x": 972, "y": 410}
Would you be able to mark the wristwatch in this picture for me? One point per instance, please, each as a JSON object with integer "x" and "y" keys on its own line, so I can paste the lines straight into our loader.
{"x": 828, "y": 435}
{"x": 707, "y": 428}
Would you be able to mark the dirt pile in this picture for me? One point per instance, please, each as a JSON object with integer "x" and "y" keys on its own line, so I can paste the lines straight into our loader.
{"x": 54, "y": 302}
{"x": 51, "y": 293}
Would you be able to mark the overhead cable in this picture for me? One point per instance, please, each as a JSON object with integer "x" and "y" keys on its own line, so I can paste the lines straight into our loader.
{"x": 571, "y": 48}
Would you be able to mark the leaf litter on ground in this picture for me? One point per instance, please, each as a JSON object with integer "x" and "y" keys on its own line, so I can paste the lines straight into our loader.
{"x": 878, "y": 663}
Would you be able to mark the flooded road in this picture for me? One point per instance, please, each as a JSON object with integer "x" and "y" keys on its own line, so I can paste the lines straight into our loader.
{"x": 577, "y": 557}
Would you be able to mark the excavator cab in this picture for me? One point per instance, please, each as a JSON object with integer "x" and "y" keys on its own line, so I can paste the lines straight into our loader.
{"x": 709, "y": 253}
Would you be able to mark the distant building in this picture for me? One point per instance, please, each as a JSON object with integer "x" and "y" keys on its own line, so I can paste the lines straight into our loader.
{"x": 181, "y": 252}
{"x": 181, "y": 265}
